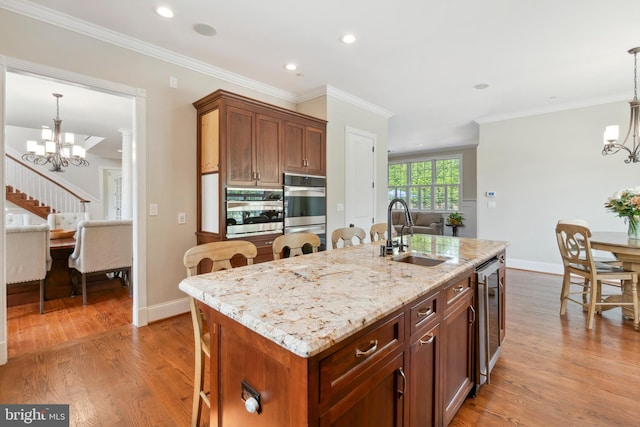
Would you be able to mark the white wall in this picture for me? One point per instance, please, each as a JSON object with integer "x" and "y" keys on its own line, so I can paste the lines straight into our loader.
{"x": 340, "y": 115}
{"x": 544, "y": 168}
{"x": 170, "y": 134}
{"x": 171, "y": 131}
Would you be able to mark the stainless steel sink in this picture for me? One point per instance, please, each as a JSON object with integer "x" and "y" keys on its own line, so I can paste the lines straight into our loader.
{"x": 417, "y": 259}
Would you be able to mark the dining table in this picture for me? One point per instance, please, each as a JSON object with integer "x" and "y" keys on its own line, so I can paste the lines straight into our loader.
{"x": 624, "y": 249}
{"x": 59, "y": 283}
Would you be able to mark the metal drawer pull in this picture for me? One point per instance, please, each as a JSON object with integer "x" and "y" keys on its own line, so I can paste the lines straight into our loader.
{"x": 369, "y": 351}
{"x": 404, "y": 383}
{"x": 427, "y": 341}
{"x": 458, "y": 289}
{"x": 425, "y": 312}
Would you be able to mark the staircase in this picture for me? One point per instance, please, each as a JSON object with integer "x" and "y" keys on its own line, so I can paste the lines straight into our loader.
{"x": 37, "y": 193}
{"x": 28, "y": 203}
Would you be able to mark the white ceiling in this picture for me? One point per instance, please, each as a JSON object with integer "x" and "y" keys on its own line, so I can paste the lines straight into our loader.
{"x": 416, "y": 59}
{"x": 91, "y": 115}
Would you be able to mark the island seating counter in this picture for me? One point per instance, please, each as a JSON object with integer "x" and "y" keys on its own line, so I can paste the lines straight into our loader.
{"x": 324, "y": 338}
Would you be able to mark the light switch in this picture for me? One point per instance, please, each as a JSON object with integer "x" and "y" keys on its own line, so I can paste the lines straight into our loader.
{"x": 491, "y": 204}
{"x": 340, "y": 207}
{"x": 153, "y": 209}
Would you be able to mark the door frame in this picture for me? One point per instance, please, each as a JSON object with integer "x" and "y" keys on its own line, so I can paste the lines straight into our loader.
{"x": 138, "y": 274}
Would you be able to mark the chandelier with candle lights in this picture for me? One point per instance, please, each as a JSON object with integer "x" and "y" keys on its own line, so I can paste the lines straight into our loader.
{"x": 631, "y": 146}
{"x": 53, "y": 149}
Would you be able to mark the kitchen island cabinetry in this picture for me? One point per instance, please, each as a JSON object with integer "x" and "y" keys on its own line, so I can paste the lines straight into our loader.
{"x": 458, "y": 345}
{"x": 424, "y": 354}
{"x": 342, "y": 338}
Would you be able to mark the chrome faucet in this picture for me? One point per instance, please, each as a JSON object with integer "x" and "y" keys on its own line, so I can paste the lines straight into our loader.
{"x": 408, "y": 223}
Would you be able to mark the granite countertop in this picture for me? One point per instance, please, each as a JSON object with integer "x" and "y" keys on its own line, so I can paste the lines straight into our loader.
{"x": 308, "y": 303}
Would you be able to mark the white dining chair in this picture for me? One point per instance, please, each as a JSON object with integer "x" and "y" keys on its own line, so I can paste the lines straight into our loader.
{"x": 28, "y": 257}
{"x": 66, "y": 220}
{"x": 102, "y": 246}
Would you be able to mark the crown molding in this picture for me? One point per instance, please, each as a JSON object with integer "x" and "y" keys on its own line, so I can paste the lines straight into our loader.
{"x": 344, "y": 96}
{"x": 553, "y": 109}
{"x": 70, "y": 23}
{"x": 366, "y": 105}
{"x": 53, "y": 17}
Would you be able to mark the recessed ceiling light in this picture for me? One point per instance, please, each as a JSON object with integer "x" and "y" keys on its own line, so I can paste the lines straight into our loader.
{"x": 204, "y": 30}
{"x": 290, "y": 67}
{"x": 164, "y": 11}
{"x": 348, "y": 39}
{"x": 481, "y": 86}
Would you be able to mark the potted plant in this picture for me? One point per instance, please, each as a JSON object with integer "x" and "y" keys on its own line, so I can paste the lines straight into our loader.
{"x": 455, "y": 218}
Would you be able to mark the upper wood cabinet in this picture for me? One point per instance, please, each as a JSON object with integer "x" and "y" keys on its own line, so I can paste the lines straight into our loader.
{"x": 243, "y": 142}
{"x": 253, "y": 149}
{"x": 304, "y": 148}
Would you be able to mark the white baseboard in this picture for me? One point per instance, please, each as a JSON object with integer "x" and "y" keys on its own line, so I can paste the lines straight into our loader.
{"x": 4, "y": 357}
{"x": 164, "y": 310}
{"x": 541, "y": 267}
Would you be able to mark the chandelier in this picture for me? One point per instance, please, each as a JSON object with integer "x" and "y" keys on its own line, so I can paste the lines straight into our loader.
{"x": 611, "y": 145}
{"x": 53, "y": 149}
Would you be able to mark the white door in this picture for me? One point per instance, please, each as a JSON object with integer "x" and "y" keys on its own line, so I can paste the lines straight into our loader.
{"x": 112, "y": 193}
{"x": 360, "y": 178}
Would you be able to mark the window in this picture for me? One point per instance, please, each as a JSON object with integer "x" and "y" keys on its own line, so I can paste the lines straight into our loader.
{"x": 430, "y": 185}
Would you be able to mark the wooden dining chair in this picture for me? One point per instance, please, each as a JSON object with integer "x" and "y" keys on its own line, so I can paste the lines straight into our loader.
{"x": 218, "y": 255}
{"x": 378, "y": 232}
{"x": 346, "y": 235}
{"x": 295, "y": 244}
{"x": 577, "y": 259}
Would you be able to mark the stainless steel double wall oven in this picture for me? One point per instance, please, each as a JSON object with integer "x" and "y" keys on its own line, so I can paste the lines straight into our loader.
{"x": 299, "y": 206}
{"x": 305, "y": 205}
{"x": 254, "y": 211}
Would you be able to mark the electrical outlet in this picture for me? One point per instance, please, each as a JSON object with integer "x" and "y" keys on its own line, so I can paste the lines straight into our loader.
{"x": 182, "y": 218}
{"x": 153, "y": 209}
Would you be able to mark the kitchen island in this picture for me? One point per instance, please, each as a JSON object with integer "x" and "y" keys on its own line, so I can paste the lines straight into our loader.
{"x": 338, "y": 338}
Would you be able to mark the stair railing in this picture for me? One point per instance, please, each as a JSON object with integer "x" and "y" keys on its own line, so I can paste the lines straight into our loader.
{"x": 40, "y": 187}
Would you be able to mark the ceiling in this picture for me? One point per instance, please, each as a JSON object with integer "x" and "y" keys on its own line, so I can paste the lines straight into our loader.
{"x": 417, "y": 60}
{"x": 95, "y": 118}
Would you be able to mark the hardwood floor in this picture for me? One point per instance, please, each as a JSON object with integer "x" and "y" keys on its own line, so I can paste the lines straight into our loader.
{"x": 552, "y": 371}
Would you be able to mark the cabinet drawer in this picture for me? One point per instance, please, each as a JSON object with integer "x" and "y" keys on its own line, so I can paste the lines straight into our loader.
{"x": 347, "y": 364}
{"x": 263, "y": 245}
{"x": 424, "y": 312}
{"x": 459, "y": 288}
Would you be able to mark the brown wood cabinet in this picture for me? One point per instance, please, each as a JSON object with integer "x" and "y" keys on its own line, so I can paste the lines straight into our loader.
{"x": 304, "y": 148}
{"x": 253, "y": 149}
{"x": 458, "y": 346}
{"x": 243, "y": 143}
{"x": 423, "y": 406}
{"x": 413, "y": 368}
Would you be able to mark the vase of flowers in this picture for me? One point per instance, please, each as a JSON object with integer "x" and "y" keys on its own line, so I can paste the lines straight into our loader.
{"x": 626, "y": 204}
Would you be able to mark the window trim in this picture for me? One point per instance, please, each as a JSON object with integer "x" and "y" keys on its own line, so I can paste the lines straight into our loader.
{"x": 409, "y": 160}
